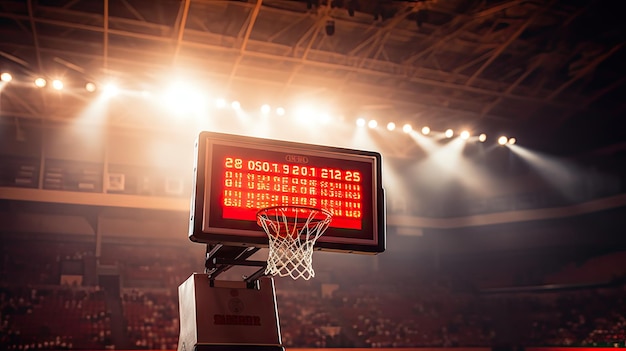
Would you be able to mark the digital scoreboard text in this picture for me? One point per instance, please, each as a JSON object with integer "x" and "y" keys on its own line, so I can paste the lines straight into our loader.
{"x": 251, "y": 179}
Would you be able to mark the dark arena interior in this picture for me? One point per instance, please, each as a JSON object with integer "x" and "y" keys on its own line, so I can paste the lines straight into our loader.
{"x": 501, "y": 129}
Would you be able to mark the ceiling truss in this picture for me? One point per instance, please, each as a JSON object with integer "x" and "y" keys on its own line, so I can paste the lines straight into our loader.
{"x": 492, "y": 63}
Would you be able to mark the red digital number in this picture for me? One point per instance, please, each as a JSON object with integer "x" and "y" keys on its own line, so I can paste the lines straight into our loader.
{"x": 353, "y": 176}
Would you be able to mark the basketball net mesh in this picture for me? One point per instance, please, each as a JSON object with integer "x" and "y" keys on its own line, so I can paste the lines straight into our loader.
{"x": 292, "y": 232}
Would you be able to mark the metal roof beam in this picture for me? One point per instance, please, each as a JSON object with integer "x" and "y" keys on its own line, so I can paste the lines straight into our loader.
{"x": 509, "y": 41}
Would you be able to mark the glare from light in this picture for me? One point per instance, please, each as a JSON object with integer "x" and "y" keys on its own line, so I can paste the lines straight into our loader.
{"x": 360, "y": 122}
{"x": 482, "y": 137}
{"x": 512, "y": 141}
{"x": 236, "y": 105}
{"x": 449, "y": 133}
{"x": 110, "y": 90}
{"x": 407, "y": 128}
{"x": 90, "y": 87}
{"x": 425, "y": 130}
{"x": 502, "y": 140}
{"x": 220, "y": 103}
{"x": 184, "y": 99}
{"x": 57, "y": 84}
{"x": 324, "y": 118}
{"x": 6, "y": 77}
{"x": 391, "y": 126}
{"x": 372, "y": 124}
{"x": 280, "y": 111}
{"x": 465, "y": 135}
{"x": 265, "y": 109}
{"x": 40, "y": 82}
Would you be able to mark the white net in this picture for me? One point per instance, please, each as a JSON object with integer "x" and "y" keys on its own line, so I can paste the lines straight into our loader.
{"x": 292, "y": 232}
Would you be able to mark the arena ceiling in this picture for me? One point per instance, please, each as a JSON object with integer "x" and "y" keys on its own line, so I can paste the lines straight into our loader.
{"x": 549, "y": 71}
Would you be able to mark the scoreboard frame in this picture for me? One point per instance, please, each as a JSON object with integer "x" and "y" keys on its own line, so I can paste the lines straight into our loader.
{"x": 212, "y": 222}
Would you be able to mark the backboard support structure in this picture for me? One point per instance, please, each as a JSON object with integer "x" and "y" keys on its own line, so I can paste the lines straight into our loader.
{"x": 236, "y": 179}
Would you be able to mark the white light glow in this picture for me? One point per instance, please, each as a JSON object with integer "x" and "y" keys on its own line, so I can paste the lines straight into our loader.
{"x": 236, "y": 105}
{"x": 465, "y": 135}
{"x": 391, "y": 126}
{"x": 265, "y": 109}
{"x": 449, "y": 133}
{"x": 183, "y": 98}
{"x": 407, "y": 128}
{"x": 6, "y": 77}
{"x": 502, "y": 140}
{"x": 280, "y": 111}
{"x": 40, "y": 82}
{"x": 90, "y": 87}
{"x": 360, "y": 122}
{"x": 57, "y": 84}
{"x": 220, "y": 103}
{"x": 110, "y": 90}
{"x": 324, "y": 118}
{"x": 482, "y": 137}
{"x": 425, "y": 130}
{"x": 512, "y": 141}
{"x": 372, "y": 124}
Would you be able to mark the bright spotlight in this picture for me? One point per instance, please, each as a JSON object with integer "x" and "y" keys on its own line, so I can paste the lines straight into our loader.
{"x": 265, "y": 109}
{"x": 57, "y": 84}
{"x": 40, "y": 82}
{"x": 465, "y": 135}
{"x": 407, "y": 128}
{"x": 220, "y": 103}
{"x": 391, "y": 126}
{"x": 90, "y": 87}
{"x": 482, "y": 137}
{"x": 512, "y": 141}
{"x": 280, "y": 111}
{"x": 360, "y": 122}
{"x": 425, "y": 130}
{"x": 236, "y": 105}
{"x": 372, "y": 124}
{"x": 183, "y": 99}
{"x": 110, "y": 90}
{"x": 6, "y": 77}
{"x": 449, "y": 133}
{"x": 502, "y": 140}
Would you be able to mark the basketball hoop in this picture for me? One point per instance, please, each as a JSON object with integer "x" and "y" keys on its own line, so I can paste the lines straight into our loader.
{"x": 292, "y": 232}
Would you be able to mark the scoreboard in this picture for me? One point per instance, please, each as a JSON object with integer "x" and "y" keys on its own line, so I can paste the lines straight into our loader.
{"x": 235, "y": 176}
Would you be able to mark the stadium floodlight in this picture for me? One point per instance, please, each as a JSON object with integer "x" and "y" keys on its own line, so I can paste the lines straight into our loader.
{"x": 40, "y": 82}
{"x": 407, "y": 128}
{"x": 512, "y": 141}
{"x": 110, "y": 90}
{"x": 391, "y": 126}
{"x": 360, "y": 122}
{"x": 6, "y": 77}
{"x": 90, "y": 87}
{"x": 426, "y": 130}
{"x": 482, "y": 137}
{"x": 57, "y": 84}
{"x": 449, "y": 133}
{"x": 265, "y": 109}
{"x": 465, "y": 135}
{"x": 372, "y": 124}
{"x": 503, "y": 140}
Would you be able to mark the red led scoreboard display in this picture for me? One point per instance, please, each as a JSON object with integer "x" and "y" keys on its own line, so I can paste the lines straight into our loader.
{"x": 236, "y": 176}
